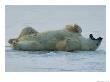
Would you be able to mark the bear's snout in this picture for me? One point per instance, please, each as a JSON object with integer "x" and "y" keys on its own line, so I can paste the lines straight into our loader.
{"x": 11, "y": 41}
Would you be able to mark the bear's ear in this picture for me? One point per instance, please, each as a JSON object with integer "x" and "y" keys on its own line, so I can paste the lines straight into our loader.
{"x": 73, "y": 28}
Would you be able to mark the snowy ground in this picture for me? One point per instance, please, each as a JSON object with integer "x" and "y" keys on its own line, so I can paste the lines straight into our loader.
{"x": 83, "y": 61}
{"x": 42, "y": 18}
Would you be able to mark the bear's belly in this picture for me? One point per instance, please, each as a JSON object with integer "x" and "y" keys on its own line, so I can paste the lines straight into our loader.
{"x": 47, "y": 41}
{"x": 73, "y": 44}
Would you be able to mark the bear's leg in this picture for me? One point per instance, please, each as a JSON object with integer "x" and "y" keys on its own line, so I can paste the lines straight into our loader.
{"x": 61, "y": 45}
{"x": 73, "y": 28}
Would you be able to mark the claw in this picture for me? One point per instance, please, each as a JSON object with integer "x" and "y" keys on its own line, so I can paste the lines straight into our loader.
{"x": 100, "y": 38}
{"x": 91, "y": 36}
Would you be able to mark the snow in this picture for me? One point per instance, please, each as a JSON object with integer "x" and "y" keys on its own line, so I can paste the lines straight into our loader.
{"x": 43, "y": 18}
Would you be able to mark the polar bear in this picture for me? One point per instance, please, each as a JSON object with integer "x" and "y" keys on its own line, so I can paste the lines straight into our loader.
{"x": 67, "y": 39}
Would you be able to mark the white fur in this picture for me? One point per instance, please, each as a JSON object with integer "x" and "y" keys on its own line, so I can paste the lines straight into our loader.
{"x": 54, "y": 40}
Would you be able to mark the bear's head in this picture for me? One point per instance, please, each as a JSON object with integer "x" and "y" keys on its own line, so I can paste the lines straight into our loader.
{"x": 27, "y": 31}
{"x": 94, "y": 43}
{"x": 13, "y": 42}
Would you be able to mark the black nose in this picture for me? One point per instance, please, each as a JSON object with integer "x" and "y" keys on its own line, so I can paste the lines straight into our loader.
{"x": 100, "y": 38}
